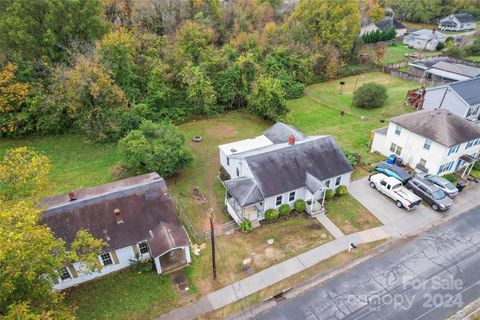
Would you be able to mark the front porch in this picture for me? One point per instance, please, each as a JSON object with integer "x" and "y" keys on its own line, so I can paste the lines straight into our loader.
{"x": 172, "y": 260}
{"x": 315, "y": 202}
{"x": 253, "y": 212}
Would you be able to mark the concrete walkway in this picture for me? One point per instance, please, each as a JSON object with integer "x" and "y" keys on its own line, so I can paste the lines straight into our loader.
{"x": 330, "y": 226}
{"x": 397, "y": 223}
{"x": 273, "y": 274}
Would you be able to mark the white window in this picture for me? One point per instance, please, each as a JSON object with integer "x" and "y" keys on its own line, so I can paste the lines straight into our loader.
{"x": 398, "y": 130}
{"x": 65, "y": 274}
{"x": 337, "y": 181}
{"x": 327, "y": 183}
{"x": 396, "y": 149}
{"x": 427, "y": 144}
{"x": 278, "y": 200}
{"x": 106, "y": 259}
{"x": 143, "y": 247}
{"x": 423, "y": 162}
{"x": 291, "y": 196}
{"x": 228, "y": 161}
{"x": 238, "y": 173}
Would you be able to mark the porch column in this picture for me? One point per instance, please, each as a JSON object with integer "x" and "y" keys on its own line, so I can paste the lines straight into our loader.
{"x": 157, "y": 265}
{"x": 323, "y": 199}
{"x": 187, "y": 254}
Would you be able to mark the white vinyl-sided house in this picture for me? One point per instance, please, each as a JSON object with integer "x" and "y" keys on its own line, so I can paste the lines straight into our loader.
{"x": 432, "y": 141}
{"x": 424, "y": 39}
{"x": 461, "y": 98}
{"x": 458, "y": 22}
{"x": 280, "y": 167}
{"x": 136, "y": 217}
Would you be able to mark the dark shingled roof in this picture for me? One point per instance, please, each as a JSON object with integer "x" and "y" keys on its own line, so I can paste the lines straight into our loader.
{"x": 280, "y": 132}
{"x": 465, "y": 17}
{"x": 469, "y": 90}
{"x": 286, "y": 169}
{"x": 428, "y": 63}
{"x": 365, "y": 21}
{"x": 439, "y": 125}
{"x": 388, "y": 23}
{"x": 244, "y": 190}
{"x": 146, "y": 208}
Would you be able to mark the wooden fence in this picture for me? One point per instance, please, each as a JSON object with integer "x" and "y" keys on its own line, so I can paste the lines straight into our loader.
{"x": 201, "y": 236}
{"x": 413, "y": 77}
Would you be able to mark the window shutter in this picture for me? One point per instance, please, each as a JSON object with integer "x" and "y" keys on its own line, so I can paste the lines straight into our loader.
{"x": 72, "y": 270}
{"x": 115, "y": 257}
{"x": 135, "y": 250}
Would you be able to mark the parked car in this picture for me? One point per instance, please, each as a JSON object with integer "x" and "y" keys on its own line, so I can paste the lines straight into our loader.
{"x": 442, "y": 183}
{"x": 394, "y": 189}
{"x": 393, "y": 171}
{"x": 433, "y": 195}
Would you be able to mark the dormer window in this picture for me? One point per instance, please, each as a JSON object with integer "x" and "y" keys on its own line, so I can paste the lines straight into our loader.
{"x": 118, "y": 216}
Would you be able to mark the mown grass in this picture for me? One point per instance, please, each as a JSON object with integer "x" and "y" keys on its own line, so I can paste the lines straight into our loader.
{"x": 124, "y": 295}
{"x": 349, "y": 215}
{"x": 318, "y": 112}
{"x": 398, "y": 52}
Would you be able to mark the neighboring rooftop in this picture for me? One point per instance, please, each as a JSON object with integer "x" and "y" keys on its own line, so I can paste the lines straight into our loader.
{"x": 388, "y": 23}
{"x": 465, "y": 17}
{"x": 460, "y": 69}
{"x": 468, "y": 90}
{"x": 427, "y": 34}
{"x": 121, "y": 213}
{"x": 439, "y": 125}
{"x": 365, "y": 21}
{"x": 286, "y": 169}
{"x": 279, "y": 133}
{"x": 428, "y": 63}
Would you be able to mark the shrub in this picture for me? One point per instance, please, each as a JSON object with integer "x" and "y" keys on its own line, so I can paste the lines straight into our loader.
{"x": 224, "y": 176}
{"x": 440, "y": 46}
{"x": 300, "y": 205}
{"x": 246, "y": 226}
{"x": 370, "y": 95}
{"x": 342, "y": 190}
{"x": 351, "y": 157}
{"x": 155, "y": 148}
{"x": 455, "y": 52}
{"x": 329, "y": 194}
{"x": 284, "y": 210}
{"x": 271, "y": 214}
{"x": 451, "y": 177}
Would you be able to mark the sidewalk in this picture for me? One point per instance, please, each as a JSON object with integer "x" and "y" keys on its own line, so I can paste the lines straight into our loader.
{"x": 265, "y": 278}
{"x": 466, "y": 201}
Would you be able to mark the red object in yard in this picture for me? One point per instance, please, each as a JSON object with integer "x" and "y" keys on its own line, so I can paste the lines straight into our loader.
{"x": 416, "y": 97}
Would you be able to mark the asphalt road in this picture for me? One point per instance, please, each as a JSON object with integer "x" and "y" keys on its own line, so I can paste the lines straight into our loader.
{"x": 430, "y": 277}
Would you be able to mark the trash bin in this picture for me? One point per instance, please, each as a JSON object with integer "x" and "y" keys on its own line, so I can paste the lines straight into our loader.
{"x": 460, "y": 186}
{"x": 391, "y": 159}
{"x": 399, "y": 161}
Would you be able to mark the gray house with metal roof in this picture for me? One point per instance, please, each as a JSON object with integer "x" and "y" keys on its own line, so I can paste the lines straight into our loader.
{"x": 461, "y": 98}
{"x": 280, "y": 167}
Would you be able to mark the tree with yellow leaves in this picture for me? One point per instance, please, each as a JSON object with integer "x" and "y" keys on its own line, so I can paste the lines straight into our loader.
{"x": 23, "y": 172}
{"x": 12, "y": 96}
{"x": 31, "y": 257}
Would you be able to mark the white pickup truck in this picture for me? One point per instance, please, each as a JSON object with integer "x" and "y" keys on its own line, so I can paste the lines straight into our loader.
{"x": 394, "y": 189}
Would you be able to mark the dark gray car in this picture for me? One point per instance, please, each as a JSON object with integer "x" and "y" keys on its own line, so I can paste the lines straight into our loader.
{"x": 430, "y": 193}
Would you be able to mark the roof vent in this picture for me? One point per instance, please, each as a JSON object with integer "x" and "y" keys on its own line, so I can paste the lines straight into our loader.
{"x": 233, "y": 150}
{"x": 72, "y": 195}
{"x": 118, "y": 216}
{"x": 151, "y": 233}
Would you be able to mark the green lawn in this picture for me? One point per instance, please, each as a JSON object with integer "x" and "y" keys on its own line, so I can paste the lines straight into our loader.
{"x": 124, "y": 295}
{"x": 76, "y": 163}
{"x": 203, "y": 173}
{"x": 318, "y": 112}
{"x": 474, "y": 58}
{"x": 349, "y": 215}
{"x": 397, "y": 53}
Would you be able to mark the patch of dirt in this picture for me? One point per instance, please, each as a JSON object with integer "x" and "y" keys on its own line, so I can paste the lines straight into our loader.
{"x": 222, "y": 130}
{"x": 180, "y": 283}
{"x": 198, "y": 195}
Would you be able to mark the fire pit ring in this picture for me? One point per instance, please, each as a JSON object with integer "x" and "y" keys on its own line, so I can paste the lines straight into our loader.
{"x": 197, "y": 138}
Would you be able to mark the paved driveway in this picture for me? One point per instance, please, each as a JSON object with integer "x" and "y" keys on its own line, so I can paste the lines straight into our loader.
{"x": 398, "y": 222}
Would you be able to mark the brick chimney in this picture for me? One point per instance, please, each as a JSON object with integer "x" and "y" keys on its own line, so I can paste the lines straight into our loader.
{"x": 72, "y": 195}
{"x": 434, "y": 30}
{"x": 291, "y": 139}
{"x": 118, "y": 216}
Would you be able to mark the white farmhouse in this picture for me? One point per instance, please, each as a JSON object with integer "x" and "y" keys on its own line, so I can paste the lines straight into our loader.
{"x": 280, "y": 167}
{"x": 458, "y": 22}
{"x": 433, "y": 141}
{"x": 136, "y": 217}
{"x": 424, "y": 39}
{"x": 461, "y": 98}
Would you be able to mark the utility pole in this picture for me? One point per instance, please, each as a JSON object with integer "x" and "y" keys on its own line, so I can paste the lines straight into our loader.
{"x": 212, "y": 238}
